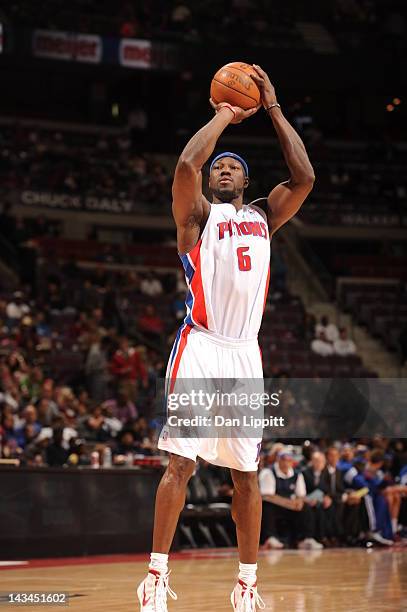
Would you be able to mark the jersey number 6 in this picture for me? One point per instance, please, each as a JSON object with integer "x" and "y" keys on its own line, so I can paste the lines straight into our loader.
{"x": 245, "y": 263}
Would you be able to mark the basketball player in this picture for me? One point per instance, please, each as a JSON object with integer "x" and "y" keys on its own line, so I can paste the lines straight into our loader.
{"x": 224, "y": 246}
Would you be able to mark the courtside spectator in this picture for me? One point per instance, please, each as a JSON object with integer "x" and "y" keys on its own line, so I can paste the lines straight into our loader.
{"x": 346, "y": 457}
{"x": 369, "y": 475}
{"x": 283, "y": 492}
{"x": 346, "y": 503}
{"x": 318, "y": 496}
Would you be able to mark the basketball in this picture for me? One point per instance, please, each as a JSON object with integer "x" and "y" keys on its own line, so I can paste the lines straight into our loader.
{"x": 233, "y": 83}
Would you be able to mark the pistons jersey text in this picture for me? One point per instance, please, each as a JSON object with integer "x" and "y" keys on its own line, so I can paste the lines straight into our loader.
{"x": 228, "y": 273}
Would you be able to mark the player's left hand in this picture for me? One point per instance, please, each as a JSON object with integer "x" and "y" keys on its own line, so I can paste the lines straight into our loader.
{"x": 267, "y": 90}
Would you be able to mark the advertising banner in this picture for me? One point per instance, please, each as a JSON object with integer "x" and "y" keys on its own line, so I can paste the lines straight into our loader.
{"x": 63, "y": 201}
{"x": 53, "y": 44}
{"x": 135, "y": 53}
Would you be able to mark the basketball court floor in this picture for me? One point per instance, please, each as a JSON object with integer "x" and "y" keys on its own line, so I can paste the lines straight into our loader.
{"x": 336, "y": 580}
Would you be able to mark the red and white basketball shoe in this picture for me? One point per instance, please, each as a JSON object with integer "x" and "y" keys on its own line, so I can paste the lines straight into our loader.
{"x": 152, "y": 592}
{"x": 245, "y": 598}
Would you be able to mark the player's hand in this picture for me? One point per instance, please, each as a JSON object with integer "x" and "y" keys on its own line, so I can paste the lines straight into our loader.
{"x": 240, "y": 114}
{"x": 267, "y": 91}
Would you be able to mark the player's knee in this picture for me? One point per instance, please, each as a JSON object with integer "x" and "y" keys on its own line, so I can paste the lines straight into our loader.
{"x": 245, "y": 483}
{"x": 180, "y": 470}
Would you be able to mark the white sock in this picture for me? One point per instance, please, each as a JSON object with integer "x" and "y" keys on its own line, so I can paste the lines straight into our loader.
{"x": 248, "y": 573}
{"x": 394, "y": 525}
{"x": 159, "y": 562}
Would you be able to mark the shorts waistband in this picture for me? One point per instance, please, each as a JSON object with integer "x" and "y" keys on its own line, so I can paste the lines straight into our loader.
{"x": 225, "y": 340}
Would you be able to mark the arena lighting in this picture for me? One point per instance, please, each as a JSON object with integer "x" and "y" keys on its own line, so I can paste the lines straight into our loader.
{"x": 390, "y": 108}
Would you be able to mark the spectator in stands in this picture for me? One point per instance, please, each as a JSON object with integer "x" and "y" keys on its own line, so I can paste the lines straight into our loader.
{"x": 29, "y": 415}
{"x": 128, "y": 368}
{"x": 283, "y": 491}
{"x": 8, "y": 428}
{"x": 129, "y": 26}
{"x": 97, "y": 369}
{"x": 330, "y": 329}
{"x": 151, "y": 325}
{"x": 321, "y": 345}
{"x": 93, "y": 426}
{"x": 126, "y": 444}
{"x": 16, "y": 309}
{"x": 47, "y": 411}
{"x": 56, "y": 455}
{"x": 151, "y": 285}
{"x": 178, "y": 306}
{"x": 42, "y": 327}
{"x": 122, "y": 407}
{"x": 180, "y": 17}
{"x": 343, "y": 345}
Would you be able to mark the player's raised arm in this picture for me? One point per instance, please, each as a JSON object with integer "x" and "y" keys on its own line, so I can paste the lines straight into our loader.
{"x": 285, "y": 199}
{"x": 189, "y": 206}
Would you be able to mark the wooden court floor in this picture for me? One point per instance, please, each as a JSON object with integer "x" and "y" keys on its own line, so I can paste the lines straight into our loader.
{"x": 339, "y": 580}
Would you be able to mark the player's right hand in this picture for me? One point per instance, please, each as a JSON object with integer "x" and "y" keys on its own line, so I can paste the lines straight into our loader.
{"x": 240, "y": 114}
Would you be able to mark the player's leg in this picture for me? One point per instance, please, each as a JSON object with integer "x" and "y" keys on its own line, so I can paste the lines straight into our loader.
{"x": 246, "y": 513}
{"x": 170, "y": 500}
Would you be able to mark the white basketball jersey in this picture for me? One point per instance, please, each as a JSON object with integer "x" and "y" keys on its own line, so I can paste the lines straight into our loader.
{"x": 228, "y": 273}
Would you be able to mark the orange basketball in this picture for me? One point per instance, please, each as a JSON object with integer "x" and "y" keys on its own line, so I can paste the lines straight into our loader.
{"x": 233, "y": 83}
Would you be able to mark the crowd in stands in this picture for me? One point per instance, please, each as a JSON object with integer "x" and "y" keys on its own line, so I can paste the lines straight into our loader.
{"x": 83, "y": 348}
{"x": 80, "y": 164}
{"x": 353, "y": 22}
{"x": 329, "y": 340}
{"x": 381, "y": 307}
{"x": 354, "y": 182}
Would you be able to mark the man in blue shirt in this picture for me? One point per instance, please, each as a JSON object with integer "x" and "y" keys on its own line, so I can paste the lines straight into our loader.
{"x": 369, "y": 475}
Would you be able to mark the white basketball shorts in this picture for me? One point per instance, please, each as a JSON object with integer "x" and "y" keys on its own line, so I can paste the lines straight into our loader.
{"x": 198, "y": 355}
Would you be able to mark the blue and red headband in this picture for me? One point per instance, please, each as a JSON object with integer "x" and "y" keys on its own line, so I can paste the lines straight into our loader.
{"x": 235, "y": 156}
